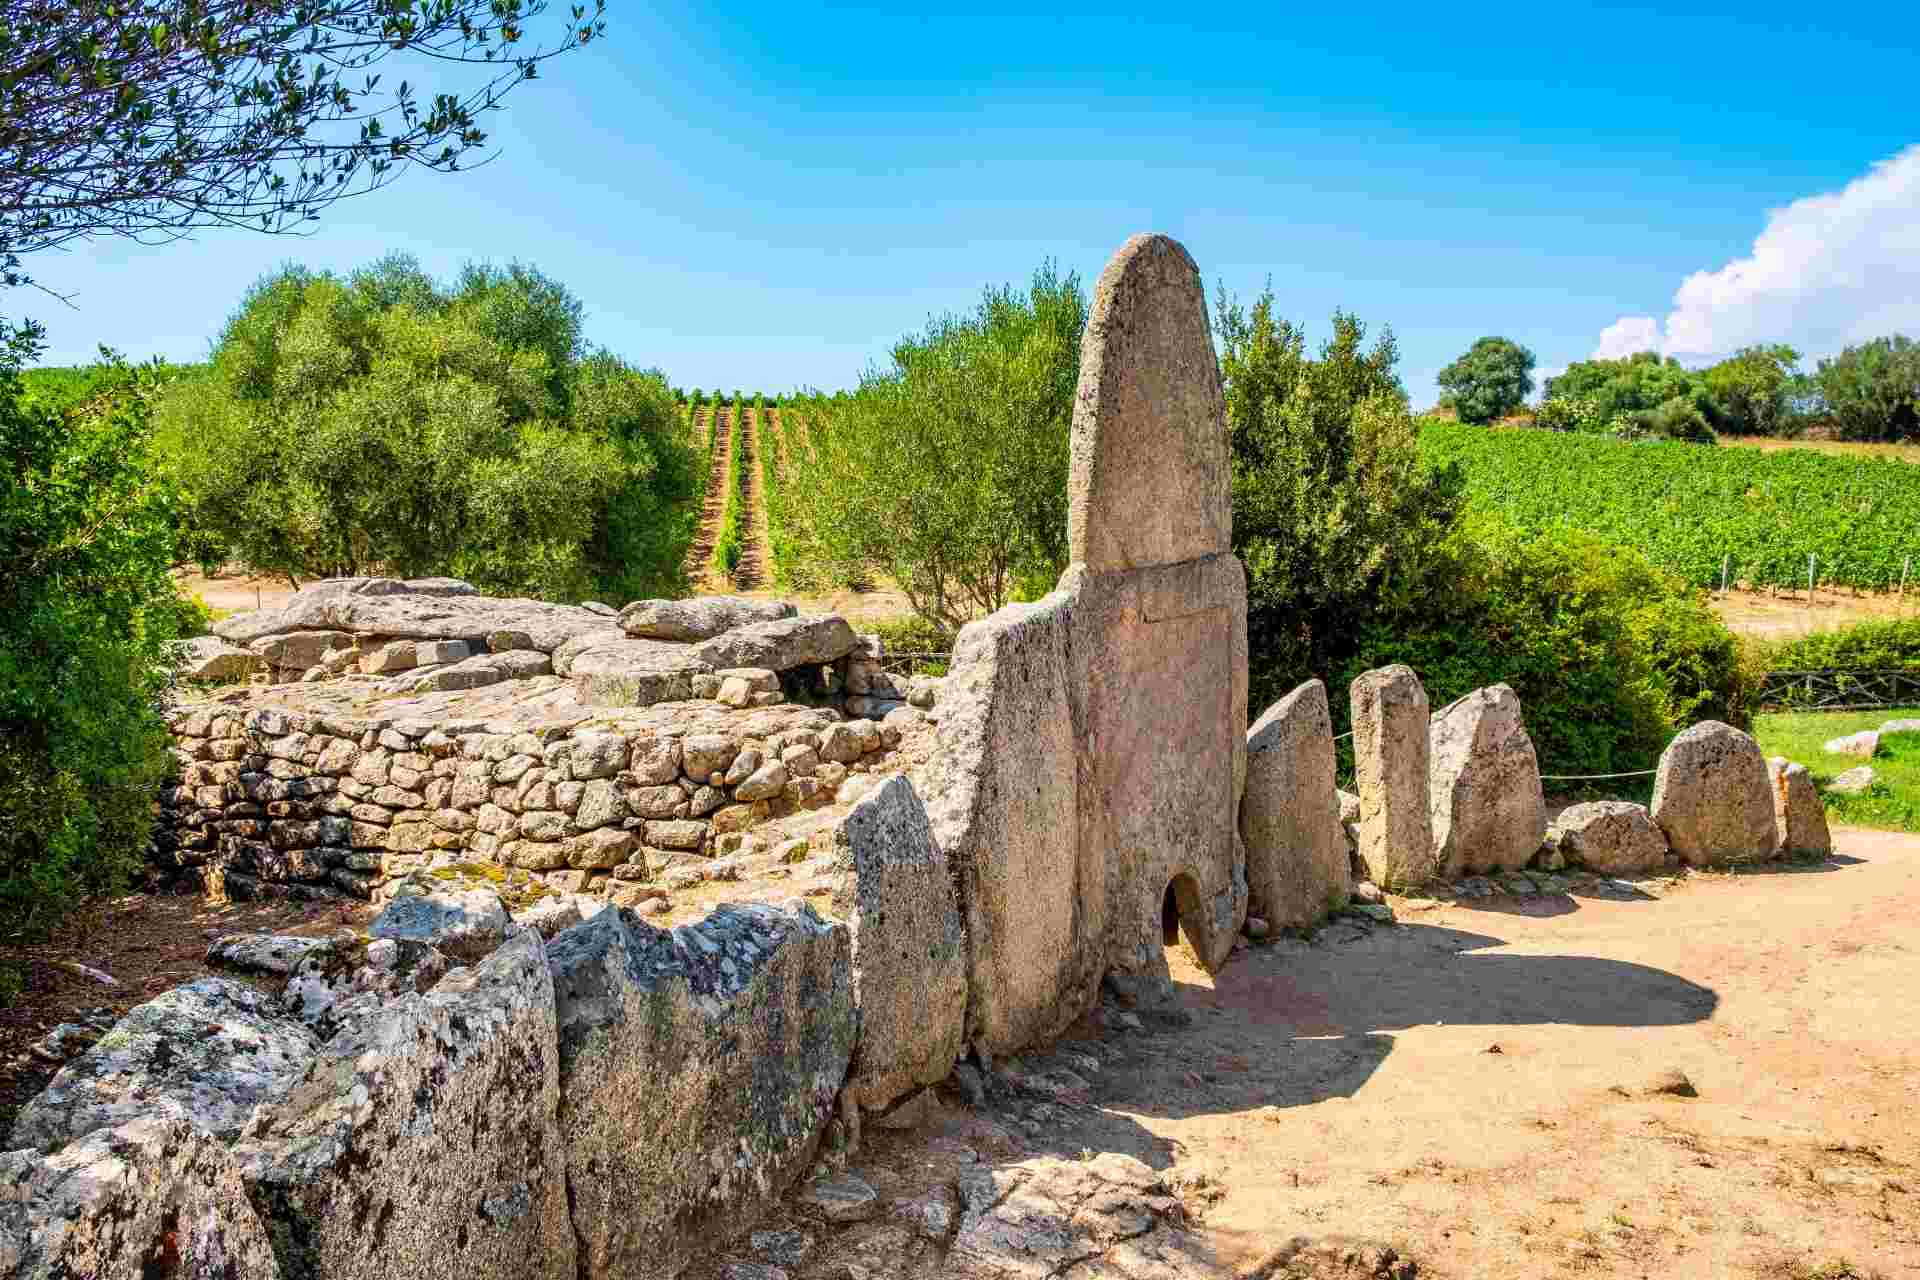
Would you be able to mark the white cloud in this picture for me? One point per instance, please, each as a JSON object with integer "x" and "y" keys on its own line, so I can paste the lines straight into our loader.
{"x": 1627, "y": 335}
{"x": 1827, "y": 271}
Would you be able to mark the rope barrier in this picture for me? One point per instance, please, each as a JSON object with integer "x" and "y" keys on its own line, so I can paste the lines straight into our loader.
{"x": 1595, "y": 777}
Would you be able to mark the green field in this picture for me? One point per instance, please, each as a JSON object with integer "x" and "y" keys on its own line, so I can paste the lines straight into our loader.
{"x": 1686, "y": 506}
{"x": 1893, "y": 803}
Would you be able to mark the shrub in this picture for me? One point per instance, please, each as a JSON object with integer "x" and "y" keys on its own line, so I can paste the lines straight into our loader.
{"x": 86, "y": 538}
{"x": 1866, "y": 646}
{"x": 1609, "y": 656}
{"x": 1333, "y": 515}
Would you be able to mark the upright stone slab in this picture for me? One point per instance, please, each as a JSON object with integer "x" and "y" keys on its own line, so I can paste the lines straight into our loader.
{"x": 1713, "y": 797}
{"x": 1150, "y": 481}
{"x": 698, "y": 1068}
{"x": 1489, "y": 813}
{"x": 423, "y": 1140}
{"x": 1799, "y": 815}
{"x": 909, "y": 950}
{"x": 1000, "y": 794}
{"x": 1092, "y": 748}
{"x": 1390, "y": 767}
{"x": 152, "y": 1197}
{"x": 1290, "y": 816}
{"x": 1158, "y": 671}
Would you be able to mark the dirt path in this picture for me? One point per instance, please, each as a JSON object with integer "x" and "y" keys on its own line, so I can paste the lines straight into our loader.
{"x": 1779, "y": 616}
{"x": 698, "y": 565}
{"x": 756, "y": 556}
{"x": 1474, "y": 1087}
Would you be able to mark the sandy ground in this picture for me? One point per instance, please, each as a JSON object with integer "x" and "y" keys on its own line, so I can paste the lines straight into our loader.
{"x": 1765, "y": 616}
{"x": 1476, "y": 1087}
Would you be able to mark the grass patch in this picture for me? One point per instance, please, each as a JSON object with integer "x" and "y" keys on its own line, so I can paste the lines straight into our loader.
{"x": 1892, "y": 803}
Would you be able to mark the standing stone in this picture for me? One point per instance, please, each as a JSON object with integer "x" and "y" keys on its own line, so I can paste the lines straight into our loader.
{"x": 1158, "y": 606}
{"x": 1290, "y": 815}
{"x": 909, "y": 952}
{"x": 1391, "y": 749}
{"x": 1609, "y": 836}
{"x": 698, "y": 1068}
{"x": 207, "y": 1052}
{"x": 1713, "y": 798}
{"x": 153, "y": 1197}
{"x": 1150, "y": 483}
{"x": 1799, "y": 816}
{"x": 1489, "y": 812}
{"x": 1002, "y": 806}
{"x": 423, "y": 1141}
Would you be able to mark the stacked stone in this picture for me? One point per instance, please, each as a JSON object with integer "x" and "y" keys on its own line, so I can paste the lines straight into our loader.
{"x": 280, "y": 803}
{"x": 875, "y": 692}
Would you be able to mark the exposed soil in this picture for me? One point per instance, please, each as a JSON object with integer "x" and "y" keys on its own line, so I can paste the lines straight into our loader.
{"x": 756, "y": 557}
{"x": 1479, "y": 1088}
{"x": 1770, "y": 616}
{"x": 148, "y": 943}
{"x": 698, "y": 566}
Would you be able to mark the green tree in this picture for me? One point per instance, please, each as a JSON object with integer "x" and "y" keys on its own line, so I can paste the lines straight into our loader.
{"x": 150, "y": 118}
{"x": 383, "y": 421}
{"x": 948, "y": 469}
{"x": 1490, "y": 381}
{"x": 1334, "y": 517}
{"x": 1637, "y": 382}
{"x": 1751, "y": 391}
{"x": 1872, "y": 391}
{"x": 86, "y": 538}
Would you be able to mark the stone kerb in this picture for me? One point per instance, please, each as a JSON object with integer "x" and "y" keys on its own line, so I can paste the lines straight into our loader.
{"x": 1123, "y": 693}
{"x": 1297, "y": 866}
{"x": 1391, "y": 754}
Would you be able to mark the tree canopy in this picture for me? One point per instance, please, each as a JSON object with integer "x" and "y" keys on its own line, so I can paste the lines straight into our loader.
{"x": 150, "y": 118}
{"x": 1872, "y": 391}
{"x": 1492, "y": 379}
{"x": 385, "y": 419}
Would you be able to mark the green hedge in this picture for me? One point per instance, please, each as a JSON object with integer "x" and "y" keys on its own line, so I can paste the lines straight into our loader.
{"x": 1866, "y": 646}
{"x": 87, "y": 611}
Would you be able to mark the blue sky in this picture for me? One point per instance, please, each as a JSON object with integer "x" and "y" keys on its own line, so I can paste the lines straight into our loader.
{"x": 765, "y": 196}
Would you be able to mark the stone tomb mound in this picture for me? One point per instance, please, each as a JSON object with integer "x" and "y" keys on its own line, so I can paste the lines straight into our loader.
{"x": 547, "y": 748}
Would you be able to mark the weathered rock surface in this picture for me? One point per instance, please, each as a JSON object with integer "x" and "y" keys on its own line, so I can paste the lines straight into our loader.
{"x": 1149, "y": 483}
{"x": 423, "y": 1138}
{"x": 1045, "y": 1216}
{"x": 1609, "y": 836}
{"x": 909, "y": 950}
{"x": 698, "y": 1071}
{"x": 262, "y": 952}
{"x": 1853, "y": 782}
{"x": 1799, "y": 816}
{"x": 1489, "y": 811}
{"x": 464, "y": 924}
{"x": 634, "y": 673}
{"x": 151, "y": 1198}
{"x": 325, "y": 979}
{"x": 1712, "y": 796}
{"x": 780, "y": 645}
{"x": 1864, "y": 744}
{"x": 1290, "y": 815}
{"x": 1002, "y": 802}
{"x": 698, "y": 618}
{"x": 1391, "y": 754}
{"x": 415, "y": 615}
{"x": 207, "y": 1052}
{"x": 211, "y": 658}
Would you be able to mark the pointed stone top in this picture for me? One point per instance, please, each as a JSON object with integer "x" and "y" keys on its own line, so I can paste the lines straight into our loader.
{"x": 1150, "y": 483}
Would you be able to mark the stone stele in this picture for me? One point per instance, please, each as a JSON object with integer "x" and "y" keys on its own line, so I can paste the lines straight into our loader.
{"x": 1391, "y": 750}
{"x": 1125, "y": 690}
{"x": 1290, "y": 816}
